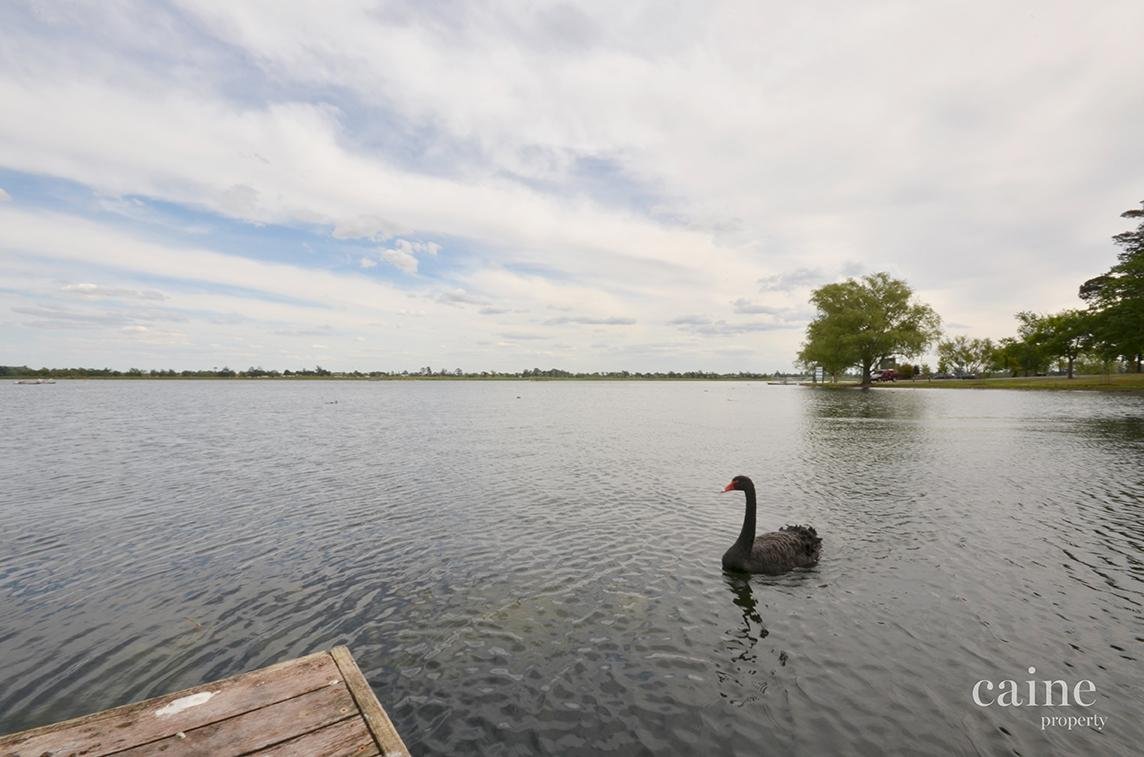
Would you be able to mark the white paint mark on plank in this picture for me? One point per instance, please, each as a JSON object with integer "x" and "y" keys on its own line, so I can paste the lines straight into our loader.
{"x": 185, "y": 703}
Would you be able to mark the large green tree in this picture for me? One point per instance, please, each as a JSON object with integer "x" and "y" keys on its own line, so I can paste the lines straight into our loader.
{"x": 1116, "y": 299}
{"x": 965, "y": 355}
{"x": 1065, "y": 335}
{"x": 863, "y": 321}
{"x": 1044, "y": 338}
{"x": 1020, "y": 356}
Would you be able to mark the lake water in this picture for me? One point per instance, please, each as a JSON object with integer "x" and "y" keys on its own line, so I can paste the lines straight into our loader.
{"x": 534, "y": 567}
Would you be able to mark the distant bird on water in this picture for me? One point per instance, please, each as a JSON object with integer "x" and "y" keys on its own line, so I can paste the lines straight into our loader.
{"x": 774, "y": 552}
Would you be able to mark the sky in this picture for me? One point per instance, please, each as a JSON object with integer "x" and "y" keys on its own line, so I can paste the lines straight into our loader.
{"x": 585, "y": 186}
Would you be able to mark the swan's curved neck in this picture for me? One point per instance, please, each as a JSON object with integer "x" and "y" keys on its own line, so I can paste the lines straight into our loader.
{"x": 747, "y": 535}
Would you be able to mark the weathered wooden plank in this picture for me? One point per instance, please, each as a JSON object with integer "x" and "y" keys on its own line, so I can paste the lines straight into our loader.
{"x": 154, "y": 719}
{"x": 346, "y": 738}
{"x": 388, "y": 740}
{"x": 257, "y": 729}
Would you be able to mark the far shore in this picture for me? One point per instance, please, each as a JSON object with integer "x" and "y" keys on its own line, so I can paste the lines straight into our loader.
{"x": 1117, "y": 382}
{"x": 792, "y": 381}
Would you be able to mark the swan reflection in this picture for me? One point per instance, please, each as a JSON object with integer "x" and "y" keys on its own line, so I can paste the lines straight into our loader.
{"x": 740, "y": 586}
{"x": 738, "y": 668}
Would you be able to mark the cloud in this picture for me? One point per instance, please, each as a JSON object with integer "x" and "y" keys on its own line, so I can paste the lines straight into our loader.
{"x": 590, "y": 321}
{"x": 154, "y": 336}
{"x": 400, "y": 259}
{"x": 796, "y": 279}
{"x": 458, "y": 297}
{"x": 522, "y": 336}
{"x": 702, "y": 325}
{"x": 402, "y": 255}
{"x": 743, "y": 305}
{"x": 56, "y": 313}
{"x": 227, "y": 319}
{"x": 805, "y": 278}
{"x": 69, "y": 315}
{"x": 314, "y": 331}
{"x": 367, "y": 262}
{"x": 689, "y": 320}
{"x": 54, "y": 317}
{"x": 366, "y": 227}
{"x": 95, "y": 290}
{"x": 4, "y": 196}
{"x": 785, "y": 314}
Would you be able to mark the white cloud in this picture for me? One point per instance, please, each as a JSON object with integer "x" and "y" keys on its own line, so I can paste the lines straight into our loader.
{"x": 366, "y": 227}
{"x": 614, "y": 320}
{"x": 155, "y": 336}
{"x": 459, "y": 296}
{"x": 4, "y": 196}
{"x": 400, "y": 259}
{"x": 403, "y": 254}
{"x": 785, "y": 282}
{"x": 95, "y": 290}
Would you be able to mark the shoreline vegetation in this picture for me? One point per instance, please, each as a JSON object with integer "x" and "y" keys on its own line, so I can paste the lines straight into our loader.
{"x": 1115, "y": 382}
{"x": 1101, "y": 382}
{"x": 871, "y": 322}
{"x": 424, "y": 374}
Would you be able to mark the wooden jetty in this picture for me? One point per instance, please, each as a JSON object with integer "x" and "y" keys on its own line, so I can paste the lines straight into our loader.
{"x": 315, "y": 705}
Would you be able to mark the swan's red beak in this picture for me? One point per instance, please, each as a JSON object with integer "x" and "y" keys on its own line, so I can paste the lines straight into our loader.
{"x": 729, "y": 487}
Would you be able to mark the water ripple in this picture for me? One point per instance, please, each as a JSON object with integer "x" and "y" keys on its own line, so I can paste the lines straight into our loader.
{"x": 541, "y": 575}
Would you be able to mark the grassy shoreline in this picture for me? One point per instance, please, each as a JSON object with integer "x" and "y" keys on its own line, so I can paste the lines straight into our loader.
{"x": 1119, "y": 382}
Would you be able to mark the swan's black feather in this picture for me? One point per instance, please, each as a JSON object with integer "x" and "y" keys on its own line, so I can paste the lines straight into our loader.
{"x": 773, "y": 552}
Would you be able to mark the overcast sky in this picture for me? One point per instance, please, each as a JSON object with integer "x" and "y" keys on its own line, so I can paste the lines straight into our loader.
{"x": 598, "y": 186}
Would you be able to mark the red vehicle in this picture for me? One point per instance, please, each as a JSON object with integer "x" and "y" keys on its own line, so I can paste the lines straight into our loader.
{"x": 887, "y": 375}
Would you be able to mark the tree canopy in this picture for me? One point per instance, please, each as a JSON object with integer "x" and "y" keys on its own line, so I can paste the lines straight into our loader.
{"x": 965, "y": 355}
{"x": 863, "y": 321}
{"x": 1116, "y": 298}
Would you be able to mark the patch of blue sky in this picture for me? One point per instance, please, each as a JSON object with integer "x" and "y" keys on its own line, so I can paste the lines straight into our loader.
{"x": 35, "y": 190}
{"x": 303, "y": 245}
{"x": 309, "y": 246}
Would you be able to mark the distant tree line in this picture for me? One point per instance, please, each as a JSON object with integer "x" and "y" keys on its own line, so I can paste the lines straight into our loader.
{"x": 1106, "y": 335}
{"x": 862, "y": 323}
{"x": 23, "y": 371}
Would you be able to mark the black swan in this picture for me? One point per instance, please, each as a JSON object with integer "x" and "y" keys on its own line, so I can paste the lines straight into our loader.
{"x": 774, "y": 552}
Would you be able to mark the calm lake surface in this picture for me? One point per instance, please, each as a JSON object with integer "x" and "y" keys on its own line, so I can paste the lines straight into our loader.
{"x": 534, "y": 567}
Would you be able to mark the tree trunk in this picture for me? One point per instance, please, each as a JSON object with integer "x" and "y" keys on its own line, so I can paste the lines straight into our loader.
{"x": 1071, "y": 366}
{"x": 866, "y": 373}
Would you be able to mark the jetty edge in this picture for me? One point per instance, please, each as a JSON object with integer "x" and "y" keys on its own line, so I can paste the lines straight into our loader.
{"x": 318, "y": 704}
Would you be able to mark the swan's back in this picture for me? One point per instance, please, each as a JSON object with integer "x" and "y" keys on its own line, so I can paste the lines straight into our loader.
{"x": 780, "y": 551}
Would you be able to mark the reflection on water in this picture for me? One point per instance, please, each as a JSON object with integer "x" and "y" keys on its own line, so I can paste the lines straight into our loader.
{"x": 535, "y": 567}
{"x": 740, "y": 586}
{"x": 742, "y": 664}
